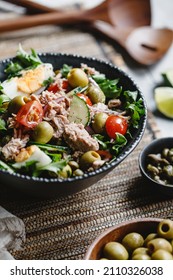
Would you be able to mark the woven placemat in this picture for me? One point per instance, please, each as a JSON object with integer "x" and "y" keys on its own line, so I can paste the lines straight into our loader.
{"x": 63, "y": 228}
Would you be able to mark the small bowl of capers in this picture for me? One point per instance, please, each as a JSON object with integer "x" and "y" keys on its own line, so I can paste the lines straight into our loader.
{"x": 156, "y": 165}
{"x": 139, "y": 239}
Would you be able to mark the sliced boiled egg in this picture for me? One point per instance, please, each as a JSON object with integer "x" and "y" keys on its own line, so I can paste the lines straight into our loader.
{"x": 30, "y": 81}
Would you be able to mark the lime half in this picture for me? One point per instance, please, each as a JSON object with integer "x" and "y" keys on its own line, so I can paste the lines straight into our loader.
{"x": 164, "y": 100}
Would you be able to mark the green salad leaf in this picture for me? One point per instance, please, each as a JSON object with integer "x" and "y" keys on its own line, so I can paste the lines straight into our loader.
{"x": 2, "y": 124}
{"x": 4, "y": 166}
{"x": 65, "y": 70}
{"x": 109, "y": 87}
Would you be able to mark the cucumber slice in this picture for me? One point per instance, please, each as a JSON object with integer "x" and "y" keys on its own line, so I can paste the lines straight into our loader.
{"x": 76, "y": 90}
{"x": 79, "y": 111}
{"x": 164, "y": 100}
{"x": 168, "y": 77}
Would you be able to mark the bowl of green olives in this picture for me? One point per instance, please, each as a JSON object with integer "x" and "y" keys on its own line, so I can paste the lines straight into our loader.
{"x": 156, "y": 165}
{"x": 65, "y": 121}
{"x": 140, "y": 239}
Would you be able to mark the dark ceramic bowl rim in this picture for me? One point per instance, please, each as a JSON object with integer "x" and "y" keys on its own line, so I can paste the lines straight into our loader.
{"x": 122, "y": 156}
{"x": 142, "y": 168}
{"x": 114, "y": 228}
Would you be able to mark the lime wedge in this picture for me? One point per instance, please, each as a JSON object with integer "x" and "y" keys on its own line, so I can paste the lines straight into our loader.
{"x": 164, "y": 100}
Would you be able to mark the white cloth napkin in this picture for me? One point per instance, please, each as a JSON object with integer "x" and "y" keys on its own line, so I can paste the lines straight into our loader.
{"x": 12, "y": 234}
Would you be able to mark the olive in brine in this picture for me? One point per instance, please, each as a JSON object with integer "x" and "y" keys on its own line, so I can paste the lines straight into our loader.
{"x": 77, "y": 78}
{"x": 161, "y": 254}
{"x": 159, "y": 243}
{"x": 115, "y": 251}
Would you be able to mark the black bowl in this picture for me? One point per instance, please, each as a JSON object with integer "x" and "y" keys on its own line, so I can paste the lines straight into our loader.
{"x": 56, "y": 187}
{"x": 155, "y": 147}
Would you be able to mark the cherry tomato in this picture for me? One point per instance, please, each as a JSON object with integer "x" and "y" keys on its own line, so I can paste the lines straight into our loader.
{"x": 85, "y": 98}
{"x": 115, "y": 124}
{"x": 30, "y": 114}
{"x": 55, "y": 87}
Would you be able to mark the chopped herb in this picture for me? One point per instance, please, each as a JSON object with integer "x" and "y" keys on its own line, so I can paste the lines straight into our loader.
{"x": 65, "y": 70}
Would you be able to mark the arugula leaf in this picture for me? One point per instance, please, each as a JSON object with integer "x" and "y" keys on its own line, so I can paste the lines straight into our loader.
{"x": 2, "y": 125}
{"x": 13, "y": 68}
{"x": 50, "y": 148}
{"x": 65, "y": 70}
{"x": 54, "y": 166}
{"x": 28, "y": 59}
{"x": 48, "y": 81}
{"x": 103, "y": 143}
{"x": 109, "y": 87}
{"x": 119, "y": 142}
{"x": 5, "y": 166}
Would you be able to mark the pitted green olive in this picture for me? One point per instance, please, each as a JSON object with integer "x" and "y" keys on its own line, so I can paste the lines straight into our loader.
{"x": 140, "y": 250}
{"x": 88, "y": 158}
{"x": 149, "y": 237}
{"x": 115, "y": 251}
{"x": 43, "y": 132}
{"x": 95, "y": 94}
{"x": 159, "y": 243}
{"x": 132, "y": 241}
{"x": 66, "y": 172}
{"x": 77, "y": 78}
{"x": 165, "y": 229}
{"x": 99, "y": 121}
{"x": 161, "y": 254}
{"x": 16, "y": 103}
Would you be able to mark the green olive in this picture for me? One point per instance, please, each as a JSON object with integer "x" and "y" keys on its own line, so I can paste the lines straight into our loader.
{"x": 43, "y": 132}
{"x": 16, "y": 103}
{"x": 115, "y": 251}
{"x": 95, "y": 94}
{"x": 159, "y": 243}
{"x": 88, "y": 158}
{"x": 141, "y": 257}
{"x": 161, "y": 254}
{"x": 132, "y": 241}
{"x": 77, "y": 78}
{"x": 149, "y": 237}
{"x": 99, "y": 121}
{"x": 66, "y": 172}
{"x": 165, "y": 229}
{"x": 140, "y": 250}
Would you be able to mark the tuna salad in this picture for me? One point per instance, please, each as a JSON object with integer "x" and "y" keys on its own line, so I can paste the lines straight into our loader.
{"x": 61, "y": 123}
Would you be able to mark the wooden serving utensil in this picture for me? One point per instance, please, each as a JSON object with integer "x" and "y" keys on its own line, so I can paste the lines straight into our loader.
{"x": 111, "y": 18}
{"x": 116, "y": 12}
{"x": 145, "y": 44}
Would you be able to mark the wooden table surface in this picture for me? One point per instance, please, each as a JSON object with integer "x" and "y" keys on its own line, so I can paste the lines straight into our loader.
{"x": 146, "y": 77}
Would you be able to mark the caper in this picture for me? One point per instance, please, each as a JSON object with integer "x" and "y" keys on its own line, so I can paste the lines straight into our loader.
{"x": 99, "y": 121}
{"x": 132, "y": 241}
{"x": 77, "y": 77}
{"x": 73, "y": 164}
{"x": 161, "y": 254}
{"x": 141, "y": 257}
{"x": 165, "y": 229}
{"x": 95, "y": 94}
{"x": 43, "y": 132}
{"x": 159, "y": 243}
{"x": 149, "y": 237}
{"x": 16, "y": 103}
{"x": 88, "y": 158}
{"x": 115, "y": 251}
{"x": 78, "y": 172}
{"x": 66, "y": 172}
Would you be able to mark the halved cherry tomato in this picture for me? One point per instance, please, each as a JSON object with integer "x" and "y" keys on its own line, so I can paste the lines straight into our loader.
{"x": 55, "y": 87}
{"x": 115, "y": 124}
{"x": 30, "y": 114}
{"x": 105, "y": 155}
{"x": 85, "y": 98}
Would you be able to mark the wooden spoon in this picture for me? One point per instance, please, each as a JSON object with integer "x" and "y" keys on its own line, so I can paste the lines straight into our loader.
{"x": 145, "y": 44}
{"x": 116, "y": 12}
